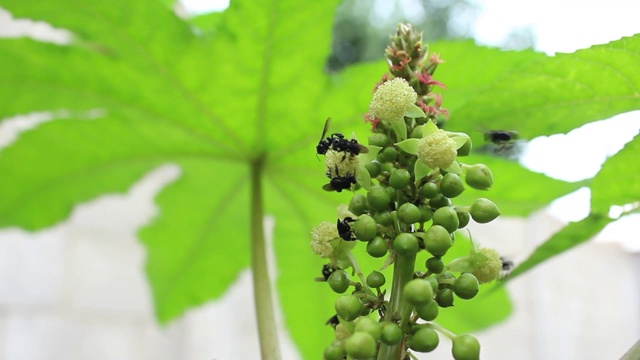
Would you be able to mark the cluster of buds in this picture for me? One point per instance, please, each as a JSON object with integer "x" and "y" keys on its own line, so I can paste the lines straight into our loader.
{"x": 411, "y": 173}
{"x": 408, "y": 58}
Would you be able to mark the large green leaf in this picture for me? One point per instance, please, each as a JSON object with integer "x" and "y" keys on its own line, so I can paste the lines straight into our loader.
{"x": 618, "y": 182}
{"x": 555, "y": 94}
{"x": 571, "y": 235}
{"x": 484, "y": 66}
{"x": 209, "y": 105}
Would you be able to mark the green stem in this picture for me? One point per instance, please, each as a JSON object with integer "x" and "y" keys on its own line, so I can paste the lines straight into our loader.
{"x": 442, "y": 330}
{"x": 261, "y": 282}
{"x": 356, "y": 268}
{"x": 633, "y": 353}
{"x": 402, "y": 274}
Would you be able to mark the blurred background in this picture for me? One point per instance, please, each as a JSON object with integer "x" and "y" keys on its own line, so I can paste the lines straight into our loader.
{"x": 78, "y": 290}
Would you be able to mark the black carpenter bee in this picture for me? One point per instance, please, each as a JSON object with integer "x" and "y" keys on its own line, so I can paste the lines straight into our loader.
{"x": 333, "y": 321}
{"x": 502, "y": 139}
{"x": 327, "y": 270}
{"x": 340, "y": 183}
{"x": 503, "y": 143}
{"x": 337, "y": 142}
{"x": 344, "y": 229}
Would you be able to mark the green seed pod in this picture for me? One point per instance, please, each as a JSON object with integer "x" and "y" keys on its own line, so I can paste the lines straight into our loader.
{"x": 365, "y": 228}
{"x": 439, "y": 201}
{"x": 339, "y": 281}
{"x": 374, "y": 168}
{"x": 368, "y": 325}
{"x": 428, "y": 311}
{"x": 334, "y": 352}
{"x": 387, "y": 167}
{"x": 344, "y": 330}
{"x": 375, "y": 279}
{"x": 451, "y": 185}
{"x": 391, "y": 333}
{"x": 392, "y": 192}
{"x": 466, "y": 347}
{"x": 378, "y": 198}
{"x": 425, "y": 213}
{"x": 409, "y": 213}
{"x": 430, "y": 190}
{"x": 405, "y": 244}
{"x": 361, "y": 345}
{"x": 465, "y": 150}
{"x": 348, "y": 307}
{"x": 447, "y": 218}
{"x": 437, "y": 240}
{"x": 377, "y": 247}
{"x": 445, "y": 280}
{"x": 358, "y": 204}
{"x": 389, "y": 154}
{"x": 384, "y": 218}
{"x": 479, "y": 177}
{"x": 484, "y": 210}
{"x": 463, "y": 218}
{"x": 435, "y": 265}
{"x": 424, "y": 340}
{"x": 434, "y": 283}
{"x": 418, "y": 292}
{"x": 444, "y": 297}
{"x": 379, "y": 139}
{"x": 466, "y": 286}
{"x": 399, "y": 179}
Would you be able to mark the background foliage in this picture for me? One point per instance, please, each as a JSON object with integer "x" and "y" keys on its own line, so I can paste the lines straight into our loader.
{"x": 218, "y": 92}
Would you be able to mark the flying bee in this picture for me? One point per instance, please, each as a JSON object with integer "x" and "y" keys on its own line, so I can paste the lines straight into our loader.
{"x": 337, "y": 142}
{"x": 344, "y": 229}
{"x": 503, "y": 143}
{"x": 507, "y": 266}
{"x": 500, "y": 136}
{"x": 333, "y": 321}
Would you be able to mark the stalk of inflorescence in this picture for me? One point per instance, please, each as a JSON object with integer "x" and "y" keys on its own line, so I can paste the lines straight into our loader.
{"x": 404, "y": 183}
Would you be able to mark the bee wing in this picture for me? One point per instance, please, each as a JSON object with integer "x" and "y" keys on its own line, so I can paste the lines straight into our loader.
{"x": 363, "y": 149}
{"x": 326, "y": 128}
{"x": 328, "y": 187}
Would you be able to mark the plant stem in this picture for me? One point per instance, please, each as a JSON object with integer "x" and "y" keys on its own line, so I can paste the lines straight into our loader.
{"x": 267, "y": 332}
{"x": 402, "y": 274}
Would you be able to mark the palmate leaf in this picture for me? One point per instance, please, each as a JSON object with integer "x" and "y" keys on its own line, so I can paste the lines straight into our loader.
{"x": 555, "y": 94}
{"x": 209, "y": 105}
{"x": 252, "y": 86}
{"x": 618, "y": 182}
{"x": 570, "y": 236}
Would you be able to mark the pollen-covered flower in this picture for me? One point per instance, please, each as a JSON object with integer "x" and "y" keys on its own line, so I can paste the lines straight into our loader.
{"x": 490, "y": 269}
{"x": 321, "y": 236}
{"x": 392, "y": 100}
{"x": 340, "y": 163}
{"x": 437, "y": 150}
